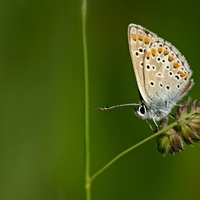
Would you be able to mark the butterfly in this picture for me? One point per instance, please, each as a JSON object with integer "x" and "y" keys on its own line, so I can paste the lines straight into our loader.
{"x": 162, "y": 74}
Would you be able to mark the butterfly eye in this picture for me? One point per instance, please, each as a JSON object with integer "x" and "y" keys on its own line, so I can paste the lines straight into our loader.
{"x": 141, "y": 111}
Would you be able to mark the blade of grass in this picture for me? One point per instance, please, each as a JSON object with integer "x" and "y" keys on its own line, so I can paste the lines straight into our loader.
{"x": 86, "y": 79}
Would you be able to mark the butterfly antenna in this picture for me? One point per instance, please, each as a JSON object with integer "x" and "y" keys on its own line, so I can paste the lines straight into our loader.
{"x": 117, "y": 106}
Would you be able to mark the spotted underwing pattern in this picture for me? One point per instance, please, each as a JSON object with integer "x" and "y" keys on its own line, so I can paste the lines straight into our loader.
{"x": 162, "y": 73}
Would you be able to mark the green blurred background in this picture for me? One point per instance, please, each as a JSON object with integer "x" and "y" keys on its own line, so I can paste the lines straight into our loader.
{"x": 42, "y": 101}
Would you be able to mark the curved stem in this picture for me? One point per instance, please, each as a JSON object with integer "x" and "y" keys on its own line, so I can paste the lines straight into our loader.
{"x": 130, "y": 149}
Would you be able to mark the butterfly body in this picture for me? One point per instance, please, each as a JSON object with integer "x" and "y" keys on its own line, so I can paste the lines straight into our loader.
{"x": 162, "y": 74}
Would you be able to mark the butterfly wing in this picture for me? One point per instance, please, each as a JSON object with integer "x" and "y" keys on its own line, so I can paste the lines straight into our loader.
{"x": 139, "y": 40}
{"x": 167, "y": 75}
{"x": 163, "y": 75}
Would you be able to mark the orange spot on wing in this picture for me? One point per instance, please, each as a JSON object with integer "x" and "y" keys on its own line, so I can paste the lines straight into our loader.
{"x": 148, "y": 54}
{"x": 170, "y": 58}
{"x": 153, "y": 52}
{"x": 146, "y": 40}
{"x": 176, "y": 65}
{"x": 166, "y": 52}
{"x": 133, "y": 36}
{"x": 140, "y": 37}
{"x": 160, "y": 49}
{"x": 182, "y": 74}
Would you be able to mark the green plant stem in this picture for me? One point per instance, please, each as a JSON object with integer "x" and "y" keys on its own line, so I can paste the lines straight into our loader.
{"x": 130, "y": 149}
{"x": 86, "y": 77}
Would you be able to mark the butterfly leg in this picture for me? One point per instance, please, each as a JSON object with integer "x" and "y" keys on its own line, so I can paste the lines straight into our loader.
{"x": 149, "y": 125}
{"x": 154, "y": 121}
